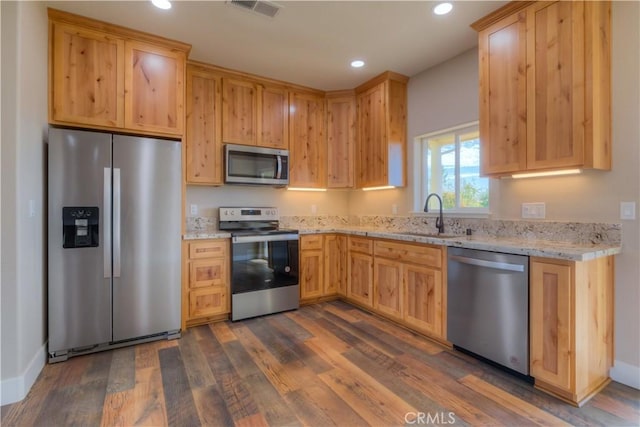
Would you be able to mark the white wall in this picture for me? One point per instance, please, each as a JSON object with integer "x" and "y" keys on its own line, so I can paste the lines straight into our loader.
{"x": 24, "y": 121}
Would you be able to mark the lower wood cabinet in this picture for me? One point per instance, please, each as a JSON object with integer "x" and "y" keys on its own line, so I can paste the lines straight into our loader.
{"x": 360, "y": 270}
{"x": 571, "y": 326}
{"x": 205, "y": 281}
{"x": 409, "y": 285}
{"x": 335, "y": 264}
{"x": 323, "y": 271}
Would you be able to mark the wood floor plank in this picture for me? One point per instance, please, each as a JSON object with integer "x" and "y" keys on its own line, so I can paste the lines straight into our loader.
{"x": 233, "y": 390}
{"x": 146, "y": 355}
{"x": 195, "y": 363}
{"x": 466, "y": 404}
{"x": 318, "y": 405}
{"x": 256, "y": 420}
{"x": 212, "y": 410}
{"x": 79, "y": 404}
{"x": 516, "y": 405}
{"x": 118, "y": 409}
{"x": 179, "y": 402}
{"x": 293, "y": 329}
{"x": 122, "y": 373}
{"x": 340, "y": 312}
{"x": 274, "y": 409}
{"x": 149, "y": 399}
{"x": 222, "y": 332}
{"x": 277, "y": 373}
{"x": 370, "y": 399}
{"x": 318, "y": 331}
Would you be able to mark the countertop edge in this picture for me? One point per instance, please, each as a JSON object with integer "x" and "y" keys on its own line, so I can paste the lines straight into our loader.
{"x": 535, "y": 248}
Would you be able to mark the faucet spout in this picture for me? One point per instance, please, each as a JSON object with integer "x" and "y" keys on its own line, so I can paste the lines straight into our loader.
{"x": 439, "y": 220}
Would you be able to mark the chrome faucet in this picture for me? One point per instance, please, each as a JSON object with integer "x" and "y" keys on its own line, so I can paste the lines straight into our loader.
{"x": 439, "y": 220}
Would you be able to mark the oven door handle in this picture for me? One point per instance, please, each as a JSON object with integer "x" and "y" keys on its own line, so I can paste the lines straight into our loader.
{"x": 266, "y": 238}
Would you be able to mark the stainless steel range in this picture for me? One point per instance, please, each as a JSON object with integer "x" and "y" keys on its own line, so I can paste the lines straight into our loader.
{"x": 264, "y": 262}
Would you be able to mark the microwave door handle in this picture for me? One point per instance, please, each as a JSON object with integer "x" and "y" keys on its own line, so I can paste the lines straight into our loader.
{"x": 279, "y": 171}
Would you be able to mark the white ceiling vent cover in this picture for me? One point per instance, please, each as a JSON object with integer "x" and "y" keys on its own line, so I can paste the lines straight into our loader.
{"x": 258, "y": 6}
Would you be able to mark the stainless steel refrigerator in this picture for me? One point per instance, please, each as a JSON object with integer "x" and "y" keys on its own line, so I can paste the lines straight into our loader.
{"x": 114, "y": 241}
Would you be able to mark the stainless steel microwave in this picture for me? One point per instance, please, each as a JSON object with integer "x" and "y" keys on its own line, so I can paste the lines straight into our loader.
{"x": 245, "y": 164}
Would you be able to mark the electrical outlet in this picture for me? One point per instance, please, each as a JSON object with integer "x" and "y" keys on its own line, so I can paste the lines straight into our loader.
{"x": 394, "y": 209}
{"x": 314, "y": 209}
{"x": 627, "y": 210}
{"x": 194, "y": 209}
{"x": 534, "y": 210}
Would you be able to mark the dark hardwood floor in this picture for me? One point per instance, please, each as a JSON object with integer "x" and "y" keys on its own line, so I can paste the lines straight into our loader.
{"x": 325, "y": 364}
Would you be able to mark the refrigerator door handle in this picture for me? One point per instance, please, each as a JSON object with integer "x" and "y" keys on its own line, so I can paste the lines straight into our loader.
{"x": 106, "y": 219}
{"x": 116, "y": 222}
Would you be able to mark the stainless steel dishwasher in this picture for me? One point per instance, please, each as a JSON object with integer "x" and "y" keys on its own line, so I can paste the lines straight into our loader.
{"x": 488, "y": 305}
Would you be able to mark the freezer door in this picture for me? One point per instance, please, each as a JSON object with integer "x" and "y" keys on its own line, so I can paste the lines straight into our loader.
{"x": 79, "y": 289}
{"x": 146, "y": 236}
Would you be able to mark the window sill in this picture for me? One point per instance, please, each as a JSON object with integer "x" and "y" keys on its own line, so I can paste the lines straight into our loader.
{"x": 454, "y": 213}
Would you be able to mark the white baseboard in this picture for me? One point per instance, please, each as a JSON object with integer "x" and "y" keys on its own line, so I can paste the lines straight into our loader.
{"x": 626, "y": 374}
{"x": 15, "y": 389}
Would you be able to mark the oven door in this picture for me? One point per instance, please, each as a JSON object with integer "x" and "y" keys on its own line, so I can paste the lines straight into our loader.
{"x": 262, "y": 262}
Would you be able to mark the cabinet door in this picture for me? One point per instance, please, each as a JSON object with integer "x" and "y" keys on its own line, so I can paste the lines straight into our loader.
{"x": 307, "y": 145}
{"x": 387, "y": 279}
{"x": 503, "y": 96}
{"x": 551, "y": 324}
{"x": 239, "y": 112}
{"x": 372, "y": 139}
{"x": 87, "y": 77}
{"x": 208, "y": 272}
{"x": 360, "y": 286}
{"x": 154, "y": 88}
{"x": 341, "y": 122}
{"x": 424, "y": 299}
{"x": 311, "y": 274}
{"x": 556, "y": 85}
{"x": 274, "y": 118}
{"x": 208, "y": 302}
{"x": 335, "y": 265}
{"x": 203, "y": 135}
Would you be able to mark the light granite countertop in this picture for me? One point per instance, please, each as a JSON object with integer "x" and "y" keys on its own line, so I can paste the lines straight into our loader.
{"x": 530, "y": 247}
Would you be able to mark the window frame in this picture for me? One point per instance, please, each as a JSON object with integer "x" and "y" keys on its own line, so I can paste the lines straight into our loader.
{"x": 420, "y": 168}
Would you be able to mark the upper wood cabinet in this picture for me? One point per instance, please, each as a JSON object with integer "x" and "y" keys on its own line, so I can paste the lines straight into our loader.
{"x": 203, "y": 134}
{"x": 239, "y": 111}
{"x": 545, "y": 87}
{"x": 307, "y": 142}
{"x": 273, "y": 117}
{"x": 109, "y": 77}
{"x": 382, "y": 131}
{"x": 341, "y": 134}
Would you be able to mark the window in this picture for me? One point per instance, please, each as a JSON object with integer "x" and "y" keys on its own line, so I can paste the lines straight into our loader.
{"x": 448, "y": 163}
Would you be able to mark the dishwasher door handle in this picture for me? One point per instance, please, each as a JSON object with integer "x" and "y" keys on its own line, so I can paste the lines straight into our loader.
{"x": 489, "y": 264}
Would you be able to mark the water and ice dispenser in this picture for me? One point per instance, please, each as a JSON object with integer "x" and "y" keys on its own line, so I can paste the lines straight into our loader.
{"x": 80, "y": 227}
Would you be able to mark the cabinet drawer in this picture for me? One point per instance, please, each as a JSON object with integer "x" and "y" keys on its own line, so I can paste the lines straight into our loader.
{"x": 360, "y": 244}
{"x": 208, "y": 301}
{"x": 417, "y": 254}
{"x": 210, "y": 272}
{"x": 208, "y": 249}
{"x": 313, "y": 241}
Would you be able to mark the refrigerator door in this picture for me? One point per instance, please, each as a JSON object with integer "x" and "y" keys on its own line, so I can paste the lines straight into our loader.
{"x": 147, "y": 236}
{"x": 79, "y": 290}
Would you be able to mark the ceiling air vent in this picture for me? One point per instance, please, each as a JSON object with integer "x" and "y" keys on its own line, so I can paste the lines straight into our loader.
{"x": 258, "y": 6}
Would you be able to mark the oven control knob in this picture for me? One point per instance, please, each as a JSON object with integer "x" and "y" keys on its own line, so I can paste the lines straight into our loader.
{"x": 287, "y": 269}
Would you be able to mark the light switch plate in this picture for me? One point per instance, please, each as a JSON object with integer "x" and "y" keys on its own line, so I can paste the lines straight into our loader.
{"x": 627, "y": 210}
{"x": 534, "y": 210}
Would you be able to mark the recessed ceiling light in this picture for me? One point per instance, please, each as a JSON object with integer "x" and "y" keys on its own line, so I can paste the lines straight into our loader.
{"x": 162, "y": 4}
{"x": 357, "y": 63}
{"x": 442, "y": 8}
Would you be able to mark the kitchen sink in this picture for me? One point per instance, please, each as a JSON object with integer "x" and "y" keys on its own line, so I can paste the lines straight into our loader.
{"x": 432, "y": 235}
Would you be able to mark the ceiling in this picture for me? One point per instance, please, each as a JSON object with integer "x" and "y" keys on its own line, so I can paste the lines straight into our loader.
{"x": 310, "y": 43}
